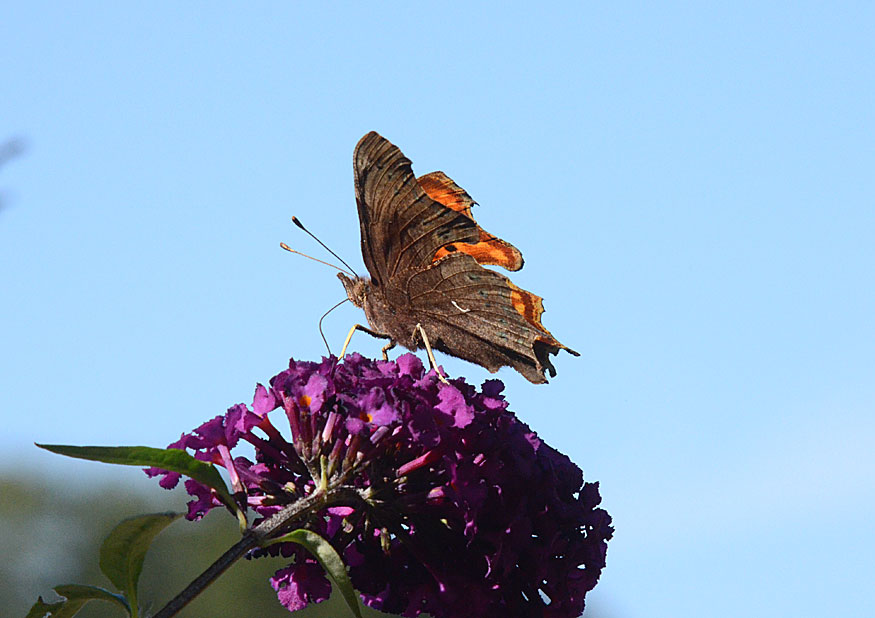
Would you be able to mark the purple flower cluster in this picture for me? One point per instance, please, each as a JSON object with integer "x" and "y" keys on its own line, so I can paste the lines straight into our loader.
{"x": 451, "y": 506}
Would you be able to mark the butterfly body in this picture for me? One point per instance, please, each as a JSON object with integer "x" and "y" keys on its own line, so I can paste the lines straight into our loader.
{"x": 381, "y": 312}
{"x": 424, "y": 252}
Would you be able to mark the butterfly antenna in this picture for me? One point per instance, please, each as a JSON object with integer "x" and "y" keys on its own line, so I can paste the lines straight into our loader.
{"x": 322, "y": 318}
{"x": 310, "y": 257}
{"x": 301, "y": 225}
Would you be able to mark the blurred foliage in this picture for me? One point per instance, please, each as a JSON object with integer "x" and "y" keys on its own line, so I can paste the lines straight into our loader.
{"x": 51, "y": 536}
{"x": 10, "y": 149}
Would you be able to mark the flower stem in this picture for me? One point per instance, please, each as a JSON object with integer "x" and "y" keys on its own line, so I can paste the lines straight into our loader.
{"x": 252, "y": 538}
{"x": 203, "y": 580}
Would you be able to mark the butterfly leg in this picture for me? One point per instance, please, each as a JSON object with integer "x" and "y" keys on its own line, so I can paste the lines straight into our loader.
{"x": 386, "y": 349}
{"x": 367, "y": 330}
{"x": 430, "y": 353}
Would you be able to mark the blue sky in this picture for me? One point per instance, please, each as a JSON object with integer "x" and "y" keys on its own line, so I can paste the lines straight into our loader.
{"x": 692, "y": 186}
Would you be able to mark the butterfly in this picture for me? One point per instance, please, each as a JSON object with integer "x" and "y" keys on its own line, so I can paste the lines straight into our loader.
{"x": 424, "y": 253}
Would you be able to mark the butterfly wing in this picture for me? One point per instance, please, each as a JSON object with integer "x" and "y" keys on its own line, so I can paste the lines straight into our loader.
{"x": 488, "y": 249}
{"x": 479, "y": 315}
{"x": 402, "y": 228}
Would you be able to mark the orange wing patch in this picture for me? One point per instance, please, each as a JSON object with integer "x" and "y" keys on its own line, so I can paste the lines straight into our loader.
{"x": 488, "y": 249}
{"x": 443, "y": 190}
{"x": 531, "y": 307}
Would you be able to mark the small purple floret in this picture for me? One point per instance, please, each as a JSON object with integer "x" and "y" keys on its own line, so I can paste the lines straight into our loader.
{"x": 461, "y": 509}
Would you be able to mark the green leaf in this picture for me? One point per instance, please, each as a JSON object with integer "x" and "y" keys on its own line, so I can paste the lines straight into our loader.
{"x": 75, "y": 596}
{"x": 41, "y": 609}
{"x": 123, "y": 551}
{"x": 330, "y": 561}
{"x": 173, "y": 459}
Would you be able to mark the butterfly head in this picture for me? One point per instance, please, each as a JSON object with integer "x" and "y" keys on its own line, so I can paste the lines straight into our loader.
{"x": 356, "y": 288}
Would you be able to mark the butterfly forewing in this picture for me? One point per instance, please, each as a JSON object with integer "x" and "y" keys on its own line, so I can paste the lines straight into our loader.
{"x": 402, "y": 228}
{"x": 488, "y": 249}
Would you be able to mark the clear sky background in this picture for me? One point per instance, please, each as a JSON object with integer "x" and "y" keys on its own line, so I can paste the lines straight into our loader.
{"x": 692, "y": 186}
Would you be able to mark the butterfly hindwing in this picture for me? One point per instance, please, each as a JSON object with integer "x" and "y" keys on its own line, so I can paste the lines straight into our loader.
{"x": 479, "y": 315}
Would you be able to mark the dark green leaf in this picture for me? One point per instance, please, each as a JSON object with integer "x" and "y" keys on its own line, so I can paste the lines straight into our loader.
{"x": 123, "y": 551}
{"x": 330, "y": 561}
{"x": 75, "y": 596}
{"x": 41, "y": 609}
{"x": 173, "y": 459}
